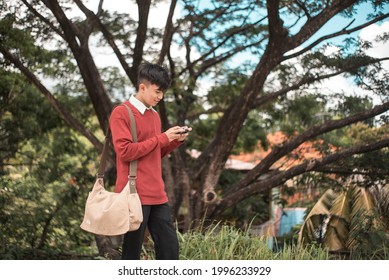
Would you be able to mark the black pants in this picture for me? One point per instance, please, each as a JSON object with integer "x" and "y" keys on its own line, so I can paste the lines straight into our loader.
{"x": 157, "y": 218}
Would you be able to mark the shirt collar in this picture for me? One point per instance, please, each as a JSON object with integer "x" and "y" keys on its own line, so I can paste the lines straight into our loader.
{"x": 139, "y": 105}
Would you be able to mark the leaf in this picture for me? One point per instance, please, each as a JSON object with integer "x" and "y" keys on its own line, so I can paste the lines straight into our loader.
{"x": 314, "y": 222}
{"x": 364, "y": 218}
{"x": 336, "y": 234}
{"x": 341, "y": 206}
{"x": 362, "y": 200}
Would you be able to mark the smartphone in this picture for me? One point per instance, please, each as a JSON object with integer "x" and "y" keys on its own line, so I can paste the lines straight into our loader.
{"x": 185, "y": 131}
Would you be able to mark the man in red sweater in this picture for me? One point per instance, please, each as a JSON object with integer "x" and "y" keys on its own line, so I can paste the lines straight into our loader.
{"x": 152, "y": 145}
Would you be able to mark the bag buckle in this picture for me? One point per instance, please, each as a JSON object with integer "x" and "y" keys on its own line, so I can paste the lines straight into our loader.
{"x": 132, "y": 180}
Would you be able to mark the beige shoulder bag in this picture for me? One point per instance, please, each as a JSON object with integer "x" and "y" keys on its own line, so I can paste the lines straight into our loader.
{"x": 110, "y": 213}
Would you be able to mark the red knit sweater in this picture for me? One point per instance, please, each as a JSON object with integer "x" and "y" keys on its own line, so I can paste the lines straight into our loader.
{"x": 152, "y": 145}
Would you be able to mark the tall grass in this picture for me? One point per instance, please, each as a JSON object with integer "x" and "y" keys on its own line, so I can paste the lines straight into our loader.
{"x": 223, "y": 242}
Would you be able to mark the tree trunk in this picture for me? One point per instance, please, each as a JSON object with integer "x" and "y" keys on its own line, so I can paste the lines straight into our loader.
{"x": 106, "y": 248}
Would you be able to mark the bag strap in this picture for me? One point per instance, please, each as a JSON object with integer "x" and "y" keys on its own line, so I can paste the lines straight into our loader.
{"x": 133, "y": 164}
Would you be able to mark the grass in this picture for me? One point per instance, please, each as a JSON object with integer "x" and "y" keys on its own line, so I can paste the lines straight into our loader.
{"x": 223, "y": 242}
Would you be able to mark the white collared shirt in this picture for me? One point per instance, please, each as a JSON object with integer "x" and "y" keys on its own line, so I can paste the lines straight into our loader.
{"x": 139, "y": 105}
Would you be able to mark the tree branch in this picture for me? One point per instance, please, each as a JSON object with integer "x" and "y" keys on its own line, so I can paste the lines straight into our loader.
{"x": 47, "y": 223}
{"x": 306, "y": 80}
{"x": 275, "y": 23}
{"x": 70, "y": 30}
{"x": 109, "y": 38}
{"x": 141, "y": 34}
{"x": 223, "y": 57}
{"x": 168, "y": 33}
{"x": 350, "y": 171}
{"x": 304, "y": 8}
{"x": 43, "y": 19}
{"x": 232, "y": 34}
{"x": 195, "y": 115}
{"x": 315, "y": 23}
{"x": 100, "y": 8}
{"x": 166, "y": 43}
{"x": 208, "y": 23}
{"x": 333, "y": 35}
{"x": 264, "y": 185}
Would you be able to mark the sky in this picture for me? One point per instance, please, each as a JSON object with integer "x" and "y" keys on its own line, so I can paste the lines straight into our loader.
{"x": 159, "y": 13}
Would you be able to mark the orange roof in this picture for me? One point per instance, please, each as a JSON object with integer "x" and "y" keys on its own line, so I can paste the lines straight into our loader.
{"x": 306, "y": 150}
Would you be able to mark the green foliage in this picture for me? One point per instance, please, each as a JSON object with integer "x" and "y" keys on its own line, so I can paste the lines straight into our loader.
{"x": 381, "y": 198}
{"x": 24, "y": 114}
{"x": 375, "y": 164}
{"x": 349, "y": 105}
{"x": 226, "y": 90}
{"x": 254, "y": 209}
{"x": 47, "y": 171}
{"x": 299, "y": 113}
{"x": 370, "y": 242}
{"x": 41, "y": 217}
{"x": 44, "y": 203}
{"x": 252, "y": 134}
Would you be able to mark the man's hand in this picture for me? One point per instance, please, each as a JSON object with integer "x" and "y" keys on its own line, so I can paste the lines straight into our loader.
{"x": 178, "y": 133}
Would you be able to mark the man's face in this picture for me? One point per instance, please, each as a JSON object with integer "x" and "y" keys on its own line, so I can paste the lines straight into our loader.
{"x": 149, "y": 94}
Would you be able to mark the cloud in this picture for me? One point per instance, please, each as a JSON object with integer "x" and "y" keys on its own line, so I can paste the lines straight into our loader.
{"x": 370, "y": 33}
{"x": 157, "y": 16}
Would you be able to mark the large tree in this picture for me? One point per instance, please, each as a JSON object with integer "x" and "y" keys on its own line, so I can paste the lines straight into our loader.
{"x": 58, "y": 40}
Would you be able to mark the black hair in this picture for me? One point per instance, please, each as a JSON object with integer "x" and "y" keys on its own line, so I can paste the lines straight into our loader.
{"x": 154, "y": 74}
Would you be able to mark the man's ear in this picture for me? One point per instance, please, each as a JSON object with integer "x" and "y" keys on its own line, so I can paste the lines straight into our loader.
{"x": 141, "y": 87}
